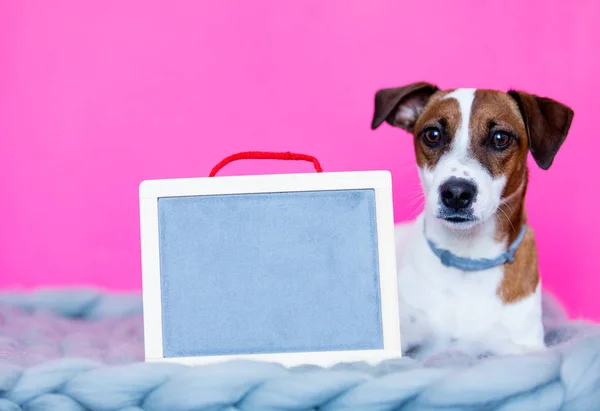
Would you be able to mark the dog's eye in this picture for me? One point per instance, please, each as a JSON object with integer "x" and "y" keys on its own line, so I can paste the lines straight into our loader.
{"x": 432, "y": 137}
{"x": 500, "y": 140}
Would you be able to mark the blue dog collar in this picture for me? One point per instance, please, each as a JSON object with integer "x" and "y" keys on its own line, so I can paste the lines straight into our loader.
{"x": 469, "y": 264}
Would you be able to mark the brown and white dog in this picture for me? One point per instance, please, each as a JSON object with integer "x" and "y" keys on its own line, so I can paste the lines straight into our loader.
{"x": 471, "y": 148}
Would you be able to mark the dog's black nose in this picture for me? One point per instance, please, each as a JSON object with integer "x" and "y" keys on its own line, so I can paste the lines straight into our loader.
{"x": 458, "y": 193}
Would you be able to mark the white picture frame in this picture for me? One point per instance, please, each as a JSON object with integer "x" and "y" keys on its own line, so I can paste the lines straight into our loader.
{"x": 380, "y": 181}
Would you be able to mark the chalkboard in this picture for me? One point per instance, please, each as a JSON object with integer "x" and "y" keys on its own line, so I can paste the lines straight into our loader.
{"x": 290, "y": 268}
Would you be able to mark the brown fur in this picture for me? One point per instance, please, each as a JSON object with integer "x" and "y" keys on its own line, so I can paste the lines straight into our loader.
{"x": 494, "y": 110}
{"x": 444, "y": 114}
{"x": 521, "y": 277}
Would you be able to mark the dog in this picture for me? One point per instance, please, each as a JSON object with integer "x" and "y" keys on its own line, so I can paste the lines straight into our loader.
{"x": 467, "y": 265}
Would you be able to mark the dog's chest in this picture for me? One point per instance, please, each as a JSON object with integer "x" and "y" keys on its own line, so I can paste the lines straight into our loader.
{"x": 457, "y": 305}
{"x": 450, "y": 302}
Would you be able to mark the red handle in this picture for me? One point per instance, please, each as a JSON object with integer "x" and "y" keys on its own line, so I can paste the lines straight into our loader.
{"x": 265, "y": 155}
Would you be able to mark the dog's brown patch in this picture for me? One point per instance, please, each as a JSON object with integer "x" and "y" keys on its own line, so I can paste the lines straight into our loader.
{"x": 443, "y": 114}
{"x": 521, "y": 278}
{"x": 497, "y": 111}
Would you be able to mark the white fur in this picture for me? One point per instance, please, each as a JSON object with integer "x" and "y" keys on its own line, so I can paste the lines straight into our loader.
{"x": 443, "y": 307}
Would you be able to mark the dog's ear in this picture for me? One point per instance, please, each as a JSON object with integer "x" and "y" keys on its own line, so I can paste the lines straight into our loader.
{"x": 401, "y": 106}
{"x": 547, "y": 123}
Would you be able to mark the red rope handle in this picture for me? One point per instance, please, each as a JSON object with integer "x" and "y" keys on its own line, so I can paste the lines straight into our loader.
{"x": 265, "y": 155}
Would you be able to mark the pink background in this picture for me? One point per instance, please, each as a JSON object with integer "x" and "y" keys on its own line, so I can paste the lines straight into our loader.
{"x": 96, "y": 96}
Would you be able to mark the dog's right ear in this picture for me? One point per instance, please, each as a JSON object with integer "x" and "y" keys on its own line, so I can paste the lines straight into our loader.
{"x": 401, "y": 106}
{"x": 547, "y": 123}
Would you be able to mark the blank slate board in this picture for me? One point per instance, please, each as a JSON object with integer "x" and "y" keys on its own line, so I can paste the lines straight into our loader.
{"x": 295, "y": 269}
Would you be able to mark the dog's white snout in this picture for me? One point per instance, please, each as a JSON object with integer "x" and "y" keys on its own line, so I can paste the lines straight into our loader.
{"x": 460, "y": 171}
{"x": 457, "y": 172}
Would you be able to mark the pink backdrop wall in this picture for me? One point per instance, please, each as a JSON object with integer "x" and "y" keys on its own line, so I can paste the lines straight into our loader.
{"x": 96, "y": 96}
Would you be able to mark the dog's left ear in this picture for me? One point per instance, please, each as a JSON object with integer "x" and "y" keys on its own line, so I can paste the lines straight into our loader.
{"x": 547, "y": 123}
{"x": 401, "y": 106}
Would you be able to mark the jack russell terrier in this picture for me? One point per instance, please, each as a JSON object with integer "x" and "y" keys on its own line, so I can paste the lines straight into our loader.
{"x": 467, "y": 266}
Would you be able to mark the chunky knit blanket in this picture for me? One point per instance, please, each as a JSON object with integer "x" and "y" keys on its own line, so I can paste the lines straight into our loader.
{"x": 83, "y": 350}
